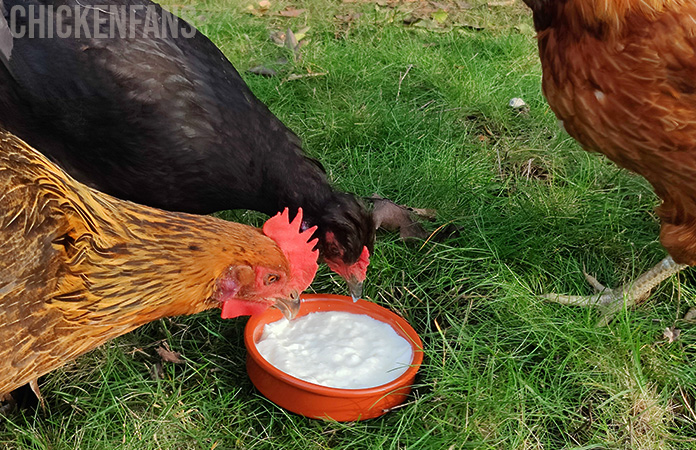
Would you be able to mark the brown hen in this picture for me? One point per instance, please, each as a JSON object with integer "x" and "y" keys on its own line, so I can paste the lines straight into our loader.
{"x": 621, "y": 75}
{"x": 78, "y": 267}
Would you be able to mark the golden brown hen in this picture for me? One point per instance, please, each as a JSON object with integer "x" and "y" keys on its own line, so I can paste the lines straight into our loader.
{"x": 621, "y": 75}
{"x": 78, "y": 267}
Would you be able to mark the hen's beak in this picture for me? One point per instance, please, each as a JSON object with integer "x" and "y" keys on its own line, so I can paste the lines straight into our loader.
{"x": 289, "y": 306}
{"x": 355, "y": 287}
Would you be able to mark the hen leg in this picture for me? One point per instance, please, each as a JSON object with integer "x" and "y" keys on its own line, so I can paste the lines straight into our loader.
{"x": 610, "y": 301}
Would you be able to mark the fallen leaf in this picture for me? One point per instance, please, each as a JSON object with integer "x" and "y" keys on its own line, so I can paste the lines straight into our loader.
{"x": 291, "y": 12}
{"x": 168, "y": 355}
{"x": 301, "y": 33}
{"x": 426, "y": 23}
{"x": 297, "y": 76}
{"x": 260, "y": 9}
{"x": 423, "y": 213}
{"x": 525, "y": 28}
{"x": 690, "y": 314}
{"x": 502, "y": 3}
{"x": 393, "y": 217}
{"x": 263, "y": 71}
{"x": 671, "y": 334}
{"x": 250, "y": 9}
{"x": 439, "y": 16}
{"x": 291, "y": 41}
{"x": 278, "y": 37}
{"x": 347, "y": 18}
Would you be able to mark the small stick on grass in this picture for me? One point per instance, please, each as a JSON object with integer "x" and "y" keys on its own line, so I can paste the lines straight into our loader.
{"x": 401, "y": 80}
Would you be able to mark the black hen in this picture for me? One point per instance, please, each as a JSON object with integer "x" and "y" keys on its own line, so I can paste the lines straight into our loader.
{"x": 146, "y": 108}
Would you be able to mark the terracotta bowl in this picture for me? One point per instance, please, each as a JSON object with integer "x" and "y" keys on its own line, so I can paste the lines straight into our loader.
{"x": 313, "y": 400}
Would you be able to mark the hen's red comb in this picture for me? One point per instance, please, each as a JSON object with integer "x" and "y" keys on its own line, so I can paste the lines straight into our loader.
{"x": 296, "y": 246}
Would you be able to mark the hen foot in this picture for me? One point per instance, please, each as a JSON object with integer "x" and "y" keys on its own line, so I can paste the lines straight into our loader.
{"x": 610, "y": 301}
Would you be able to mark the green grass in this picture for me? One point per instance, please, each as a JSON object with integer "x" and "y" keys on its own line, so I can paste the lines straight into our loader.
{"x": 421, "y": 116}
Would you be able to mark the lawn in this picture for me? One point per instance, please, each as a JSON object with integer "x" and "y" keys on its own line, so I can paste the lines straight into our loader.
{"x": 410, "y": 100}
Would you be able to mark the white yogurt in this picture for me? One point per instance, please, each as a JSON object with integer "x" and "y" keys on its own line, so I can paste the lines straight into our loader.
{"x": 336, "y": 349}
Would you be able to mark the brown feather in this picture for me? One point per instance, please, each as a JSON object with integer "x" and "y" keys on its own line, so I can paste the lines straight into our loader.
{"x": 78, "y": 267}
{"x": 621, "y": 75}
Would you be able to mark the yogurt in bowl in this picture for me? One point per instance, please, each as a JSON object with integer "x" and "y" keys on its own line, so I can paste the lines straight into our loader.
{"x": 336, "y": 349}
{"x": 337, "y": 360}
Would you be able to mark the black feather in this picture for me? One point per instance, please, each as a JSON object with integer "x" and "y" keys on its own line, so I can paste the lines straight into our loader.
{"x": 165, "y": 121}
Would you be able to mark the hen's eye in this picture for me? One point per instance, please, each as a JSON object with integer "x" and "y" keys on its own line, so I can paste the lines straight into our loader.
{"x": 333, "y": 252}
{"x": 272, "y": 278}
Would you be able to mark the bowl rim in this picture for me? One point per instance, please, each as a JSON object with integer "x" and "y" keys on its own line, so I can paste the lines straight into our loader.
{"x": 398, "y": 383}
